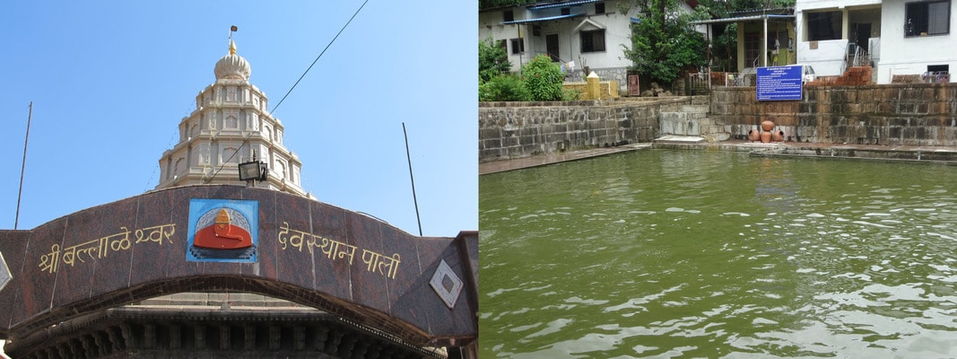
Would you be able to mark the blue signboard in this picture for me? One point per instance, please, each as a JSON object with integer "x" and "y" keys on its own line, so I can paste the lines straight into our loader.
{"x": 779, "y": 83}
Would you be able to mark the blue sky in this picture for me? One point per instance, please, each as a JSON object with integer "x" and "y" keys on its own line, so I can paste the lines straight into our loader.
{"x": 110, "y": 81}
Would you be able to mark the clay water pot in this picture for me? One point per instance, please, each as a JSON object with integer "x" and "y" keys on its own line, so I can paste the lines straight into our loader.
{"x": 765, "y": 137}
{"x": 767, "y": 125}
{"x": 777, "y": 136}
{"x": 754, "y": 135}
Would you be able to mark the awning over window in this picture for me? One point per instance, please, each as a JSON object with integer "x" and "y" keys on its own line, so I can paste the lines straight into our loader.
{"x": 561, "y": 4}
{"x": 744, "y": 18}
{"x": 540, "y": 19}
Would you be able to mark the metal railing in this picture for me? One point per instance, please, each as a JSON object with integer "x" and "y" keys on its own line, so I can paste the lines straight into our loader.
{"x": 698, "y": 83}
{"x": 935, "y": 77}
{"x": 854, "y": 56}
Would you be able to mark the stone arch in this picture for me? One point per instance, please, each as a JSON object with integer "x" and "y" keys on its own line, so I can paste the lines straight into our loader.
{"x": 281, "y": 169}
{"x": 231, "y": 122}
{"x": 253, "y": 121}
{"x": 180, "y": 166}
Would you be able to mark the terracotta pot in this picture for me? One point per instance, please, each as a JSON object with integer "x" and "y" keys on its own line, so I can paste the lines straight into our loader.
{"x": 765, "y": 137}
{"x": 767, "y": 125}
{"x": 777, "y": 136}
{"x": 754, "y": 135}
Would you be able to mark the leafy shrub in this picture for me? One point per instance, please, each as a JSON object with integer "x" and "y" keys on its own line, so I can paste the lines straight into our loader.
{"x": 570, "y": 95}
{"x": 493, "y": 61}
{"x": 543, "y": 79}
{"x": 503, "y": 88}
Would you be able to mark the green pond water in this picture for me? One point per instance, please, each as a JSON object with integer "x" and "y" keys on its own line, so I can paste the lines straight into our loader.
{"x": 715, "y": 254}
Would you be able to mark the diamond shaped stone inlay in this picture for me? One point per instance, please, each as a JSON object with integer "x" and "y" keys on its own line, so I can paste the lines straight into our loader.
{"x": 5, "y": 275}
{"x": 446, "y": 284}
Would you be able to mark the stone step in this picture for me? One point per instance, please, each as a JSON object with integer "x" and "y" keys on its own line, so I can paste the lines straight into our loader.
{"x": 695, "y": 108}
{"x": 673, "y": 116}
{"x": 682, "y": 139}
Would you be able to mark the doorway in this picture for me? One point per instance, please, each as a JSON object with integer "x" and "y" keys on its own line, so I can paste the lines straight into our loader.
{"x": 551, "y": 47}
{"x": 862, "y": 33}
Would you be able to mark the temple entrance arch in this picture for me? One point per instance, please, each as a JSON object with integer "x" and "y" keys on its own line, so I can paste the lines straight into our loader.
{"x": 362, "y": 270}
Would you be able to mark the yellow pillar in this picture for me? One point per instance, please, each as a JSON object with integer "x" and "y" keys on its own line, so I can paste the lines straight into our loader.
{"x": 593, "y": 86}
{"x": 845, "y": 25}
{"x": 792, "y": 53}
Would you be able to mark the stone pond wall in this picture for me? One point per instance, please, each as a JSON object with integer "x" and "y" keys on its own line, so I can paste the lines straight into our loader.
{"x": 520, "y": 129}
{"x": 899, "y": 114}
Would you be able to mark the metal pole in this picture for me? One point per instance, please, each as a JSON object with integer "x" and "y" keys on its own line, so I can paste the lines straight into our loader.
{"x": 518, "y": 31}
{"x": 411, "y": 178}
{"x": 764, "y": 53}
{"x": 23, "y": 165}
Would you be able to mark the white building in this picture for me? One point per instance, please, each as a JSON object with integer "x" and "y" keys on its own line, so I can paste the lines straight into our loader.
{"x": 230, "y": 125}
{"x": 590, "y": 33}
{"x": 899, "y": 37}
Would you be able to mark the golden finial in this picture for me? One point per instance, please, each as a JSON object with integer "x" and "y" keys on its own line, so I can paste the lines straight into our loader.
{"x": 232, "y": 44}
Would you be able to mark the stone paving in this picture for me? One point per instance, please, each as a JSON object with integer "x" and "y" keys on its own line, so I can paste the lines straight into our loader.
{"x": 938, "y": 154}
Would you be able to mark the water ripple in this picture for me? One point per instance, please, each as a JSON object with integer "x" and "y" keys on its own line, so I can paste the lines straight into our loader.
{"x": 704, "y": 254}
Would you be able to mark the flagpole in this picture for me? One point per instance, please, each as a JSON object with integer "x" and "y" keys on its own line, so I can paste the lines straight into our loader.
{"x": 23, "y": 165}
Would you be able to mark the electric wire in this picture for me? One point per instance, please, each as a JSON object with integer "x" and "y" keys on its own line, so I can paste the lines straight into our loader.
{"x": 317, "y": 57}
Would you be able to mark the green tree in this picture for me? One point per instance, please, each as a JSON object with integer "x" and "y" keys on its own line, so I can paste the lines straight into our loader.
{"x": 485, "y": 4}
{"x": 663, "y": 42}
{"x": 493, "y": 61}
{"x": 543, "y": 79}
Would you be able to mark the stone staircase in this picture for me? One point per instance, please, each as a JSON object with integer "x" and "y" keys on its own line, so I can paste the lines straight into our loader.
{"x": 683, "y": 122}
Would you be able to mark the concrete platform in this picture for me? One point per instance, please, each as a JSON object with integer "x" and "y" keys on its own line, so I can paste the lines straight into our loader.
{"x": 934, "y": 154}
{"x": 547, "y": 159}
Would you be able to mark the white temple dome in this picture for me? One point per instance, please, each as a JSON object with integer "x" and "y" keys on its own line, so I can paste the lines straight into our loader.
{"x": 232, "y": 66}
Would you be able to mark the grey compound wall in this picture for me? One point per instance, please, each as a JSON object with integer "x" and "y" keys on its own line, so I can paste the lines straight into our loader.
{"x": 898, "y": 114}
{"x": 520, "y": 129}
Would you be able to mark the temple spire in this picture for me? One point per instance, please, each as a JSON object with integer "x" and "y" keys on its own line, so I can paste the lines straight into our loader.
{"x": 230, "y": 126}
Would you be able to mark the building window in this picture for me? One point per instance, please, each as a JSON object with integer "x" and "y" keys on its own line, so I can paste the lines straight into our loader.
{"x": 507, "y": 16}
{"x": 566, "y": 11}
{"x": 518, "y": 46}
{"x": 593, "y": 41}
{"x": 927, "y": 18}
{"x": 938, "y": 68}
{"x": 599, "y": 8}
{"x": 824, "y": 26}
